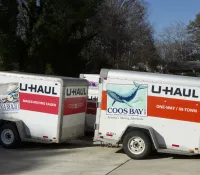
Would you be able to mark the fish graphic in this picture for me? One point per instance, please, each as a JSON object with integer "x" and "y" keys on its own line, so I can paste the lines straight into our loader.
{"x": 125, "y": 98}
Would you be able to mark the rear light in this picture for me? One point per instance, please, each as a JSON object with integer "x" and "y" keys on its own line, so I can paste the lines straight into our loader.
{"x": 46, "y": 137}
{"x": 110, "y": 135}
{"x": 174, "y": 145}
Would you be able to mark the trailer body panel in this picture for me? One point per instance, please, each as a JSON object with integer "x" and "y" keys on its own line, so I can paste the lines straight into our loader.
{"x": 169, "y": 104}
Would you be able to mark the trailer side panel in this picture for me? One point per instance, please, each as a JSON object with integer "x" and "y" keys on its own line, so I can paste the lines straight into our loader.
{"x": 75, "y": 104}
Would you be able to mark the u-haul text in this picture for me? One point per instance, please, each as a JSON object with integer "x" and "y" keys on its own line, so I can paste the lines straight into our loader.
{"x": 76, "y": 92}
{"x": 173, "y": 91}
{"x": 38, "y": 89}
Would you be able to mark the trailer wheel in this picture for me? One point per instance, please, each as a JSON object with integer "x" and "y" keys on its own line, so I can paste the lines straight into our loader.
{"x": 9, "y": 137}
{"x": 137, "y": 145}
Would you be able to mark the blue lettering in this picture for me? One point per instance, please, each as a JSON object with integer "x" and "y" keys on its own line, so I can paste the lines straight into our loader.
{"x": 114, "y": 110}
{"x": 120, "y": 110}
{"x": 132, "y": 111}
{"x": 117, "y": 110}
{"x": 140, "y": 111}
{"x": 110, "y": 110}
{"x": 136, "y": 111}
{"x": 125, "y": 111}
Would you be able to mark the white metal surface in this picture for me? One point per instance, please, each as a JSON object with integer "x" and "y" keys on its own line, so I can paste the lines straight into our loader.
{"x": 73, "y": 124}
{"x": 39, "y": 104}
{"x": 169, "y": 104}
{"x": 93, "y": 80}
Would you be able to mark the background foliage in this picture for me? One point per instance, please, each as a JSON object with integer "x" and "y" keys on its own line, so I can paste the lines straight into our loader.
{"x": 71, "y": 37}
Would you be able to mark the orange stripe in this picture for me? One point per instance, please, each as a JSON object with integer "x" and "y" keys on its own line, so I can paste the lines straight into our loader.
{"x": 178, "y": 113}
{"x": 104, "y": 101}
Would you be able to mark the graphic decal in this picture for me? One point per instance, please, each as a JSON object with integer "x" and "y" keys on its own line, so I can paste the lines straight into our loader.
{"x": 91, "y": 107}
{"x": 127, "y": 100}
{"x": 9, "y": 98}
{"x": 92, "y": 98}
{"x": 39, "y": 103}
{"x": 75, "y": 100}
{"x": 177, "y": 109}
{"x": 37, "y": 88}
{"x": 93, "y": 84}
{"x": 164, "y": 101}
{"x": 75, "y": 105}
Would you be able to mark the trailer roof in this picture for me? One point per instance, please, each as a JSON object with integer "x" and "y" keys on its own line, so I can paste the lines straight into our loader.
{"x": 89, "y": 75}
{"x": 42, "y": 77}
{"x": 151, "y": 77}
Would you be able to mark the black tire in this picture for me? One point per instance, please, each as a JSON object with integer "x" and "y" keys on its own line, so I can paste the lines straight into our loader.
{"x": 146, "y": 150}
{"x": 9, "y": 128}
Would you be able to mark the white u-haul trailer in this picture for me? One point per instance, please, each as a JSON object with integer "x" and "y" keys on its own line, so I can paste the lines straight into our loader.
{"x": 41, "y": 108}
{"x": 149, "y": 111}
{"x": 93, "y": 83}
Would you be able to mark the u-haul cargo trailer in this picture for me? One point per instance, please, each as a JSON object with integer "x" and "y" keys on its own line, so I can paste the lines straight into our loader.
{"x": 93, "y": 81}
{"x": 41, "y": 108}
{"x": 149, "y": 111}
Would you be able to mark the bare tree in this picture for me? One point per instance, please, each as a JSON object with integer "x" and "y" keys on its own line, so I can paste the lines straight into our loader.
{"x": 173, "y": 43}
{"x": 124, "y": 36}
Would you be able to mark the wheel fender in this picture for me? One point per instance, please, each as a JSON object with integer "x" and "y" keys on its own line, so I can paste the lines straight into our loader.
{"x": 19, "y": 124}
{"x": 149, "y": 130}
